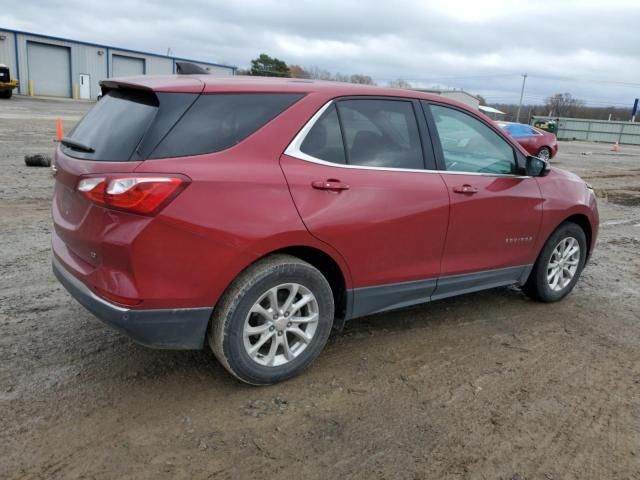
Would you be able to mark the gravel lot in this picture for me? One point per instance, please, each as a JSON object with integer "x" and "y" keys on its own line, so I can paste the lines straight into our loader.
{"x": 485, "y": 386}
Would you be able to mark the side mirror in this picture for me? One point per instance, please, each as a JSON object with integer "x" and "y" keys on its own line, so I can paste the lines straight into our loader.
{"x": 537, "y": 167}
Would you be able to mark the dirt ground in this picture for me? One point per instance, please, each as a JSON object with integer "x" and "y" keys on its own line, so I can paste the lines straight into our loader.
{"x": 486, "y": 386}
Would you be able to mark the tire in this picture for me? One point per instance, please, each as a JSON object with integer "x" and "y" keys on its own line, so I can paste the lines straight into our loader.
{"x": 37, "y": 160}
{"x": 248, "y": 304}
{"x": 544, "y": 153}
{"x": 541, "y": 284}
{"x": 6, "y": 94}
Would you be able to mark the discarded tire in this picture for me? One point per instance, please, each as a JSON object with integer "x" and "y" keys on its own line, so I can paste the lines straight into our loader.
{"x": 37, "y": 161}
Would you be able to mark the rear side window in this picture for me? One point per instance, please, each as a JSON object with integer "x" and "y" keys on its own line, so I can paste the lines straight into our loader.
{"x": 115, "y": 126}
{"x": 324, "y": 140}
{"x": 381, "y": 133}
{"x": 219, "y": 121}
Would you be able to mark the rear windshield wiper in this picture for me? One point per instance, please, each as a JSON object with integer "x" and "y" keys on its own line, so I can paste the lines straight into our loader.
{"x": 75, "y": 145}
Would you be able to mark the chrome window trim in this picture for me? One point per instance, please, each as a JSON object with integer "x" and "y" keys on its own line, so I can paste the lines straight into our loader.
{"x": 293, "y": 150}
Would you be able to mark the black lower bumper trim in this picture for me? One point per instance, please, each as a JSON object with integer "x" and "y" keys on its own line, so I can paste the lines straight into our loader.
{"x": 178, "y": 328}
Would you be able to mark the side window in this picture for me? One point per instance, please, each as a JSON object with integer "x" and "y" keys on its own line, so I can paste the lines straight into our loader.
{"x": 468, "y": 145}
{"x": 218, "y": 121}
{"x": 324, "y": 140}
{"x": 381, "y": 133}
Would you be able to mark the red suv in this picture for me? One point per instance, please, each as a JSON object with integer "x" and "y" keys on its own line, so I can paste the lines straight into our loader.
{"x": 256, "y": 214}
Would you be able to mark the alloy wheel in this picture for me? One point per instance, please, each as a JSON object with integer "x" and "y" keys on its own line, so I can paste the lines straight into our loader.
{"x": 281, "y": 324}
{"x": 563, "y": 263}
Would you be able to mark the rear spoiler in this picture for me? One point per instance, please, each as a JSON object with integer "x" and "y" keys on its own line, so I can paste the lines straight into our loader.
{"x": 161, "y": 83}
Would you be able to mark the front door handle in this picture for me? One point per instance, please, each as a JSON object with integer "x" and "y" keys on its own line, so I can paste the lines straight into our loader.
{"x": 331, "y": 185}
{"x": 466, "y": 188}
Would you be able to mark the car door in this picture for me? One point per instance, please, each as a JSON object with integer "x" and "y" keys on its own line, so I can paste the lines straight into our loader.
{"x": 357, "y": 176}
{"x": 496, "y": 211}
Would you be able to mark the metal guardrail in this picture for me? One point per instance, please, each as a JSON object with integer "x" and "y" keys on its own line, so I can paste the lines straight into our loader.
{"x": 595, "y": 130}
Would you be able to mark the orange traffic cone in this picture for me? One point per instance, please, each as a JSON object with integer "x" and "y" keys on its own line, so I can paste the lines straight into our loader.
{"x": 615, "y": 147}
{"x": 59, "y": 130}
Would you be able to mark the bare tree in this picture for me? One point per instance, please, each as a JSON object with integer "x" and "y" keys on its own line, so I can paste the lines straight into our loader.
{"x": 318, "y": 74}
{"x": 563, "y": 105}
{"x": 399, "y": 83}
{"x": 341, "y": 77}
{"x": 362, "y": 79}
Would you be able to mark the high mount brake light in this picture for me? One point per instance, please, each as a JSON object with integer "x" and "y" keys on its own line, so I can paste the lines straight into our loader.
{"x": 142, "y": 195}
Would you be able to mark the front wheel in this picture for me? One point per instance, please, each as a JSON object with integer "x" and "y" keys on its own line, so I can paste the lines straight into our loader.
{"x": 559, "y": 265}
{"x": 273, "y": 320}
{"x": 544, "y": 153}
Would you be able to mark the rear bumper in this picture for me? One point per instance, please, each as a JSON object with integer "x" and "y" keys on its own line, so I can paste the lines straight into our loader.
{"x": 180, "y": 328}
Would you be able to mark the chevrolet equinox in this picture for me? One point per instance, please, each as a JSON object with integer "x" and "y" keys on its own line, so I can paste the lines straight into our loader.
{"x": 255, "y": 215}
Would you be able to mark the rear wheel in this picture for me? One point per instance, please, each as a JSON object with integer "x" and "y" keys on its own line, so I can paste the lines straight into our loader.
{"x": 273, "y": 321}
{"x": 544, "y": 153}
{"x": 559, "y": 265}
{"x": 6, "y": 94}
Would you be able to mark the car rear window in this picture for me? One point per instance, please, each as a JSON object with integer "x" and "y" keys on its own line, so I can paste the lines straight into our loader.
{"x": 140, "y": 125}
{"x": 219, "y": 121}
{"x": 115, "y": 126}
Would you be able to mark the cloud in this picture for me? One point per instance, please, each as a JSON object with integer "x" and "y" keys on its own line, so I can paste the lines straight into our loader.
{"x": 580, "y": 47}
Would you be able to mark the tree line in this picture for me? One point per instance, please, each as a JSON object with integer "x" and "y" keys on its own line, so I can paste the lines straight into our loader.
{"x": 557, "y": 105}
{"x": 267, "y": 66}
{"x": 564, "y": 105}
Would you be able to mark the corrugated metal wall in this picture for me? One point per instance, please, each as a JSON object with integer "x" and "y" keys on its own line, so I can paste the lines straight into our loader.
{"x": 84, "y": 59}
{"x": 159, "y": 66}
{"x": 214, "y": 69}
{"x": 127, "y": 66}
{"x": 88, "y": 59}
{"x": 8, "y": 52}
{"x": 596, "y": 130}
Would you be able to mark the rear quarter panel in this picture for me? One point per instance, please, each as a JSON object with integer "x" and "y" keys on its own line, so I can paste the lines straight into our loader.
{"x": 237, "y": 209}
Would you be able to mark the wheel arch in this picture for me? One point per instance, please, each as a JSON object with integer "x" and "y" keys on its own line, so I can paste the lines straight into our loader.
{"x": 548, "y": 147}
{"x": 583, "y": 222}
{"x": 332, "y": 271}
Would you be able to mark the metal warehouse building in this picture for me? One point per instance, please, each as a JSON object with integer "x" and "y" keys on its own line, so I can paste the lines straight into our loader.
{"x": 59, "y": 67}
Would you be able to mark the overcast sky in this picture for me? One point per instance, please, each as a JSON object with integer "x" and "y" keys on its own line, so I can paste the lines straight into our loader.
{"x": 586, "y": 47}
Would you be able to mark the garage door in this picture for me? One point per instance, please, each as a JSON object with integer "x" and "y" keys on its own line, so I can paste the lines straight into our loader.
{"x": 49, "y": 69}
{"x": 127, "y": 66}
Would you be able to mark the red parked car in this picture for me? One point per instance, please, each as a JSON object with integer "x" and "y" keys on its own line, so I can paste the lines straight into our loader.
{"x": 256, "y": 214}
{"x": 537, "y": 142}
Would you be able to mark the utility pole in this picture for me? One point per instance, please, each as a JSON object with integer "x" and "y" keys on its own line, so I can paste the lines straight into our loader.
{"x": 524, "y": 79}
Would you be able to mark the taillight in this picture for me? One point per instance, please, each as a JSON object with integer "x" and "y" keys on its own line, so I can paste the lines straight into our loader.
{"x": 142, "y": 195}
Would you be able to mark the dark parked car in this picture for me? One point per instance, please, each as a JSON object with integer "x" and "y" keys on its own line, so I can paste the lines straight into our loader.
{"x": 537, "y": 142}
{"x": 255, "y": 215}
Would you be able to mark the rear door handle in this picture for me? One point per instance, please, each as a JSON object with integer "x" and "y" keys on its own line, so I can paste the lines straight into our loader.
{"x": 468, "y": 189}
{"x": 331, "y": 185}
